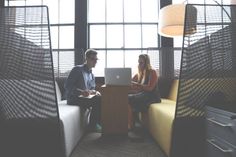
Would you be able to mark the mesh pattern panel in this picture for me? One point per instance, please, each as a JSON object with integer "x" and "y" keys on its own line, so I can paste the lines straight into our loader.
{"x": 26, "y": 78}
{"x": 28, "y": 107}
{"x": 208, "y": 61}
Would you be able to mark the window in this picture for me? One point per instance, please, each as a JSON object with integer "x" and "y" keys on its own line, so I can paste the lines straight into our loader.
{"x": 61, "y": 16}
{"x": 154, "y": 58}
{"x": 120, "y": 30}
{"x": 177, "y": 62}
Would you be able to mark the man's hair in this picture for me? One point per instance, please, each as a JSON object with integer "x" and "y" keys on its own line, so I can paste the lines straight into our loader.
{"x": 90, "y": 52}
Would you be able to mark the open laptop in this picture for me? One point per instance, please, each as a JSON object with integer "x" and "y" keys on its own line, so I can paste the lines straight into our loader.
{"x": 118, "y": 76}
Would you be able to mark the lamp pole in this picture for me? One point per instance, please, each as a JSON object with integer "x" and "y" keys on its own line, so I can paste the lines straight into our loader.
{"x": 167, "y": 54}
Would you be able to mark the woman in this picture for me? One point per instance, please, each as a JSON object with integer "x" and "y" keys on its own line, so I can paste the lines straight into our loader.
{"x": 144, "y": 89}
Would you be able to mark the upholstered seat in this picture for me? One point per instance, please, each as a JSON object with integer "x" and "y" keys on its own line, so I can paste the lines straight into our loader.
{"x": 73, "y": 122}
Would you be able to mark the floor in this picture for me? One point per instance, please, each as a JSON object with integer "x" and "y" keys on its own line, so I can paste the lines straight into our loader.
{"x": 96, "y": 145}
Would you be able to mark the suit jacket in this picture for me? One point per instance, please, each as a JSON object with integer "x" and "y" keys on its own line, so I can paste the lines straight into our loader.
{"x": 80, "y": 77}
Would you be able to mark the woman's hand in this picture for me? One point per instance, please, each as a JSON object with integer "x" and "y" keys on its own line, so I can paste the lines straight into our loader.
{"x": 139, "y": 86}
{"x": 135, "y": 88}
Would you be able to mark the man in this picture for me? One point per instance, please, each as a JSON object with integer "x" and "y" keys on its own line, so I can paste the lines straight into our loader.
{"x": 80, "y": 88}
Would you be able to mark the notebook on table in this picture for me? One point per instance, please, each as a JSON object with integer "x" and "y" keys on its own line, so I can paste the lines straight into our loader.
{"x": 118, "y": 76}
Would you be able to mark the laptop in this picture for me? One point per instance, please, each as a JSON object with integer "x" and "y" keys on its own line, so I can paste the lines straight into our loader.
{"x": 118, "y": 76}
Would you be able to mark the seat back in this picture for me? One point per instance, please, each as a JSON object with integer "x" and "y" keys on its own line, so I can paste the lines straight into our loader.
{"x": 174, "y": 90}
{"x": 29, "y": 119}
{"x": 208, "y": 71}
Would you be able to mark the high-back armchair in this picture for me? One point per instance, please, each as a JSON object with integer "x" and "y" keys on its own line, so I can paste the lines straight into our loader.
{"x": 29, "y": 120}
{"x": 207, "y": 76}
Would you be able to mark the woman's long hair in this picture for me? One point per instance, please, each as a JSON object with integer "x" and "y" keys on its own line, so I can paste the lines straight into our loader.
{"x": 144, "y": 73}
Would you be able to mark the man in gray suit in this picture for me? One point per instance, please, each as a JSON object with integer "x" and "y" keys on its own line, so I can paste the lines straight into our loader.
{"x": 80, "y": 87}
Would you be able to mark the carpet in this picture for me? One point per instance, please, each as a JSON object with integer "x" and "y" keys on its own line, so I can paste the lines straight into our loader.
{"x": 95, "y": 145}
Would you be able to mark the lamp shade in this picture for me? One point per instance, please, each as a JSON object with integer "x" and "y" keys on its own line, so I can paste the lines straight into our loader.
{"x": 171, "y": 20}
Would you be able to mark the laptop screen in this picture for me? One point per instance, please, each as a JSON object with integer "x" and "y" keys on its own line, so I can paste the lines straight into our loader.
{"x": 118, "y": 76}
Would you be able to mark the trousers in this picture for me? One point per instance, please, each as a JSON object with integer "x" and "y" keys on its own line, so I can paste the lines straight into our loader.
{"x": 93, "y": 103}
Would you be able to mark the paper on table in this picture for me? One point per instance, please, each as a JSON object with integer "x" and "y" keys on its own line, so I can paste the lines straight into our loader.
{"x": 134, "y": 82}
{"x": 79, "y": 89}
{"x": 89, "y": 96}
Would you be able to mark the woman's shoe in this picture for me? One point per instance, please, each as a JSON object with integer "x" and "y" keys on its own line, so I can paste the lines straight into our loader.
{"x": 135, "y": 137}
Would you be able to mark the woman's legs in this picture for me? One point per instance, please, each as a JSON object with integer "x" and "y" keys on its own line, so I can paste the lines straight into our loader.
{"x": 130, "y": 118}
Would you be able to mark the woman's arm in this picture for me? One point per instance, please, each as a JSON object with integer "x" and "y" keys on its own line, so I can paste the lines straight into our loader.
{"x": 135, "y": 86}
{"x": 135, "y": 78}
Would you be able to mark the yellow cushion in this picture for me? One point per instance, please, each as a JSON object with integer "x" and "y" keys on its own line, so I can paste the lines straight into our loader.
{"x": 174, "y": 90}
{"x": 166, "y": 101}
{"x": 161, "y": 117}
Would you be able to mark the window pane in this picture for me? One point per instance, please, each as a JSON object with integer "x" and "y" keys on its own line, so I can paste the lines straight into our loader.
{"x": 99, "y": 68}
{"x": 154, "y": 59}
{"x": 115, "y": 11}
{"x": 119, "y": 36}
{"x": 66, "y": 37}
{"x": 133, "y": 36}
{"x": 215, "y": 11}
{"x": 55, "y": 63}
{"x": 53, "y": 10}
{"x": 149, "y": 10}
{"x": 97, "y": 36}
{"x": 96, "y": 11}
{"x": 54, "y": 37}
{"x": 131, "y": 60}
{"x": 177, "y": 62}
{"x": 115, "y": 58}
{"x": 181, "y": 1}
{"x": 115, "y": 36}
{"x": 178, "y": 41}
{"x": 16, "y": 3}
{"x": 41, "y": 41}
{"x": 132, "y": 11}
{"x": 150, "y": 36}
{"x": 67, "y": 11}
{"x": 33, "y": 2}
{"x": 65, "y": 60}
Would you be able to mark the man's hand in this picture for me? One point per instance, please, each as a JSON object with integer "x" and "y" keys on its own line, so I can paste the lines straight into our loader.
{"x": 85, "y": 93}
{"x": 98, "y": 93}
{"x": 94, "y": 92}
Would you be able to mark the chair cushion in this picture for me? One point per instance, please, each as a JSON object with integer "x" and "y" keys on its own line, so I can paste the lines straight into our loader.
{"x": 58, "y": 92}
{"x": 161, "y": 117}
{"x": 174, "y": 90}
{"x": 62, "y": 102}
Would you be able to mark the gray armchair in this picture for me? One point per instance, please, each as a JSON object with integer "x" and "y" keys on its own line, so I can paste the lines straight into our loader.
{"x": 207, "y": 76}
{"x": 29, "y": 119}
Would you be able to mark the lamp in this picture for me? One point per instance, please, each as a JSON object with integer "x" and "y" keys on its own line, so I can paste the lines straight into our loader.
{"x": 171, "y": 20}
